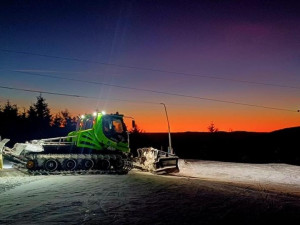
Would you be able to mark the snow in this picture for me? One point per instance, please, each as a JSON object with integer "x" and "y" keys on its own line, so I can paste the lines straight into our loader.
{"x": 204, "y": 192}
{"x": 272, "y": 177}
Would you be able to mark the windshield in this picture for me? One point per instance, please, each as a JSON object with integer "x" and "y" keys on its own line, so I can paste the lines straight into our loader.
{"x": 83, "y": 124}
{"x": 114, "y": 128}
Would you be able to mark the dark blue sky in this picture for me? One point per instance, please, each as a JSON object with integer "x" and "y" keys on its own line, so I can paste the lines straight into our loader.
{"x": 256, "y": 41}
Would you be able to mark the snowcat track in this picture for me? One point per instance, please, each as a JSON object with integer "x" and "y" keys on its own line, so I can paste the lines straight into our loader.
{"x": 23, "y": 169}
{"x": 20, "y": 164}
{"x": 66, "y": 172}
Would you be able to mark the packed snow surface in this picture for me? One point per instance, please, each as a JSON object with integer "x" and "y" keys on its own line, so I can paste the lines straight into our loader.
{"x": 204, "y": 192}
{"x": 272, "y": 177}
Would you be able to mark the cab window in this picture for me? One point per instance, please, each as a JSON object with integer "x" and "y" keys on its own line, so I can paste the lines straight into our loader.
{"x": 118, "y": 126}
{"x": 89, "y": 124}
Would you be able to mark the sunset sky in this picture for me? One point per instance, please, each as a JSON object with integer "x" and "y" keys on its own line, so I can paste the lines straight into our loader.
{"x": 226, "y": 62}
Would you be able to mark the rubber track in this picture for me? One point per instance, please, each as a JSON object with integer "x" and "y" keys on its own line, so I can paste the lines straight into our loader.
{"x": 23, "y": 169}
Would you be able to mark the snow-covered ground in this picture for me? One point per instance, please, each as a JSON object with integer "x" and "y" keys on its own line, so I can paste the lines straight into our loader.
{"x": 270, "y": 177}
{"x": 204, "y": 192}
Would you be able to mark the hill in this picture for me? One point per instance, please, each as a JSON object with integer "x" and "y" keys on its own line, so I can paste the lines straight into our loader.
{"x": 240, "y": 146}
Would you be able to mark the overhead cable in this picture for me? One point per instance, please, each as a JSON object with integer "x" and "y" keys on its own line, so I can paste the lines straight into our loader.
{"x": 186, "y": 96}
{"x": 151, "y": 69}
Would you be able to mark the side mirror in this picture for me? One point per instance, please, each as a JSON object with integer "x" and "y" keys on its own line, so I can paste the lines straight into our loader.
{"x": 133, "y": 124}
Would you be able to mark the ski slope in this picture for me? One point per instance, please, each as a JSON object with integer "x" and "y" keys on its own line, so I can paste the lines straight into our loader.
{"x": 204, "y": 192}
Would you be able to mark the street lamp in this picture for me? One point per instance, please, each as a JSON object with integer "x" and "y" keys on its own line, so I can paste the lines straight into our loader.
{"x": 133, "y": 127}
{"x": 170, "y": 149}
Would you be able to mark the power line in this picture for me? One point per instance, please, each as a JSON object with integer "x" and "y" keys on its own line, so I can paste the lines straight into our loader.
{"x": 186, "y": 96}
{"x": 83, "y": 81}
{"x": 141, "y": 89}
{"x": 150, "y": 69}
{"x": 73, "y": 95}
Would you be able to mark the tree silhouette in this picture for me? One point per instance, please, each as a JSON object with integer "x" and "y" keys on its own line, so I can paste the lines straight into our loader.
{"x": 39, "y": 118}
{"x": 9, "y": 120}
{"x": 68, "y": 121}
{"x": 10, "y": 111}
{"x": 63, "y": 123}
{"x": 211, "y": 128}
{"x": 57, "y": 120}
{"x": 34, "y": 123}
{"x": 136, "y": 130}
{"x": 42, "y": 111}
{"x": 32, "y": 115}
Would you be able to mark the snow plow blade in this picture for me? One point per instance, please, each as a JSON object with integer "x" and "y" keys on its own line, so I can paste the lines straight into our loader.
{"x": 156, "y": 161}
{"x": 2, "y": 147}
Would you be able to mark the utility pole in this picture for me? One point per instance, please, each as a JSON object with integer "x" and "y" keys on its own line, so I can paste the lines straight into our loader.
{"x": 170, "y": 149}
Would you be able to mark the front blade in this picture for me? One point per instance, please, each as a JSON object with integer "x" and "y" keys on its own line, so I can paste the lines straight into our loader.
{"x": 157, "y": 161}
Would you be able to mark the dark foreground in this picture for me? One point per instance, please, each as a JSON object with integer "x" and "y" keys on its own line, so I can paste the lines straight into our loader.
{"x": 138, "y": 198}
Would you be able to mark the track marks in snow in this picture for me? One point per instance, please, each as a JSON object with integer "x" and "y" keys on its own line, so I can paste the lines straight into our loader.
{"x": 142, "y": 198}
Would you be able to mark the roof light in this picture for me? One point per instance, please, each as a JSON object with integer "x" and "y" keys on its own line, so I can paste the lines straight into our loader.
{"x": 103, "y": 112}
{"x": 94, "y": 113}
{"x": 82, "y": 116}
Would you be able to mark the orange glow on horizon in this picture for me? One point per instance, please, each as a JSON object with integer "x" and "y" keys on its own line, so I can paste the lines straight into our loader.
{"x": 264, "y": 121}
{"x": 182, "y": 119}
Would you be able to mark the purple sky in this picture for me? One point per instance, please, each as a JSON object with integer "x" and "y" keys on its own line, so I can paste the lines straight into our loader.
{"x": 255, "y": 41}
